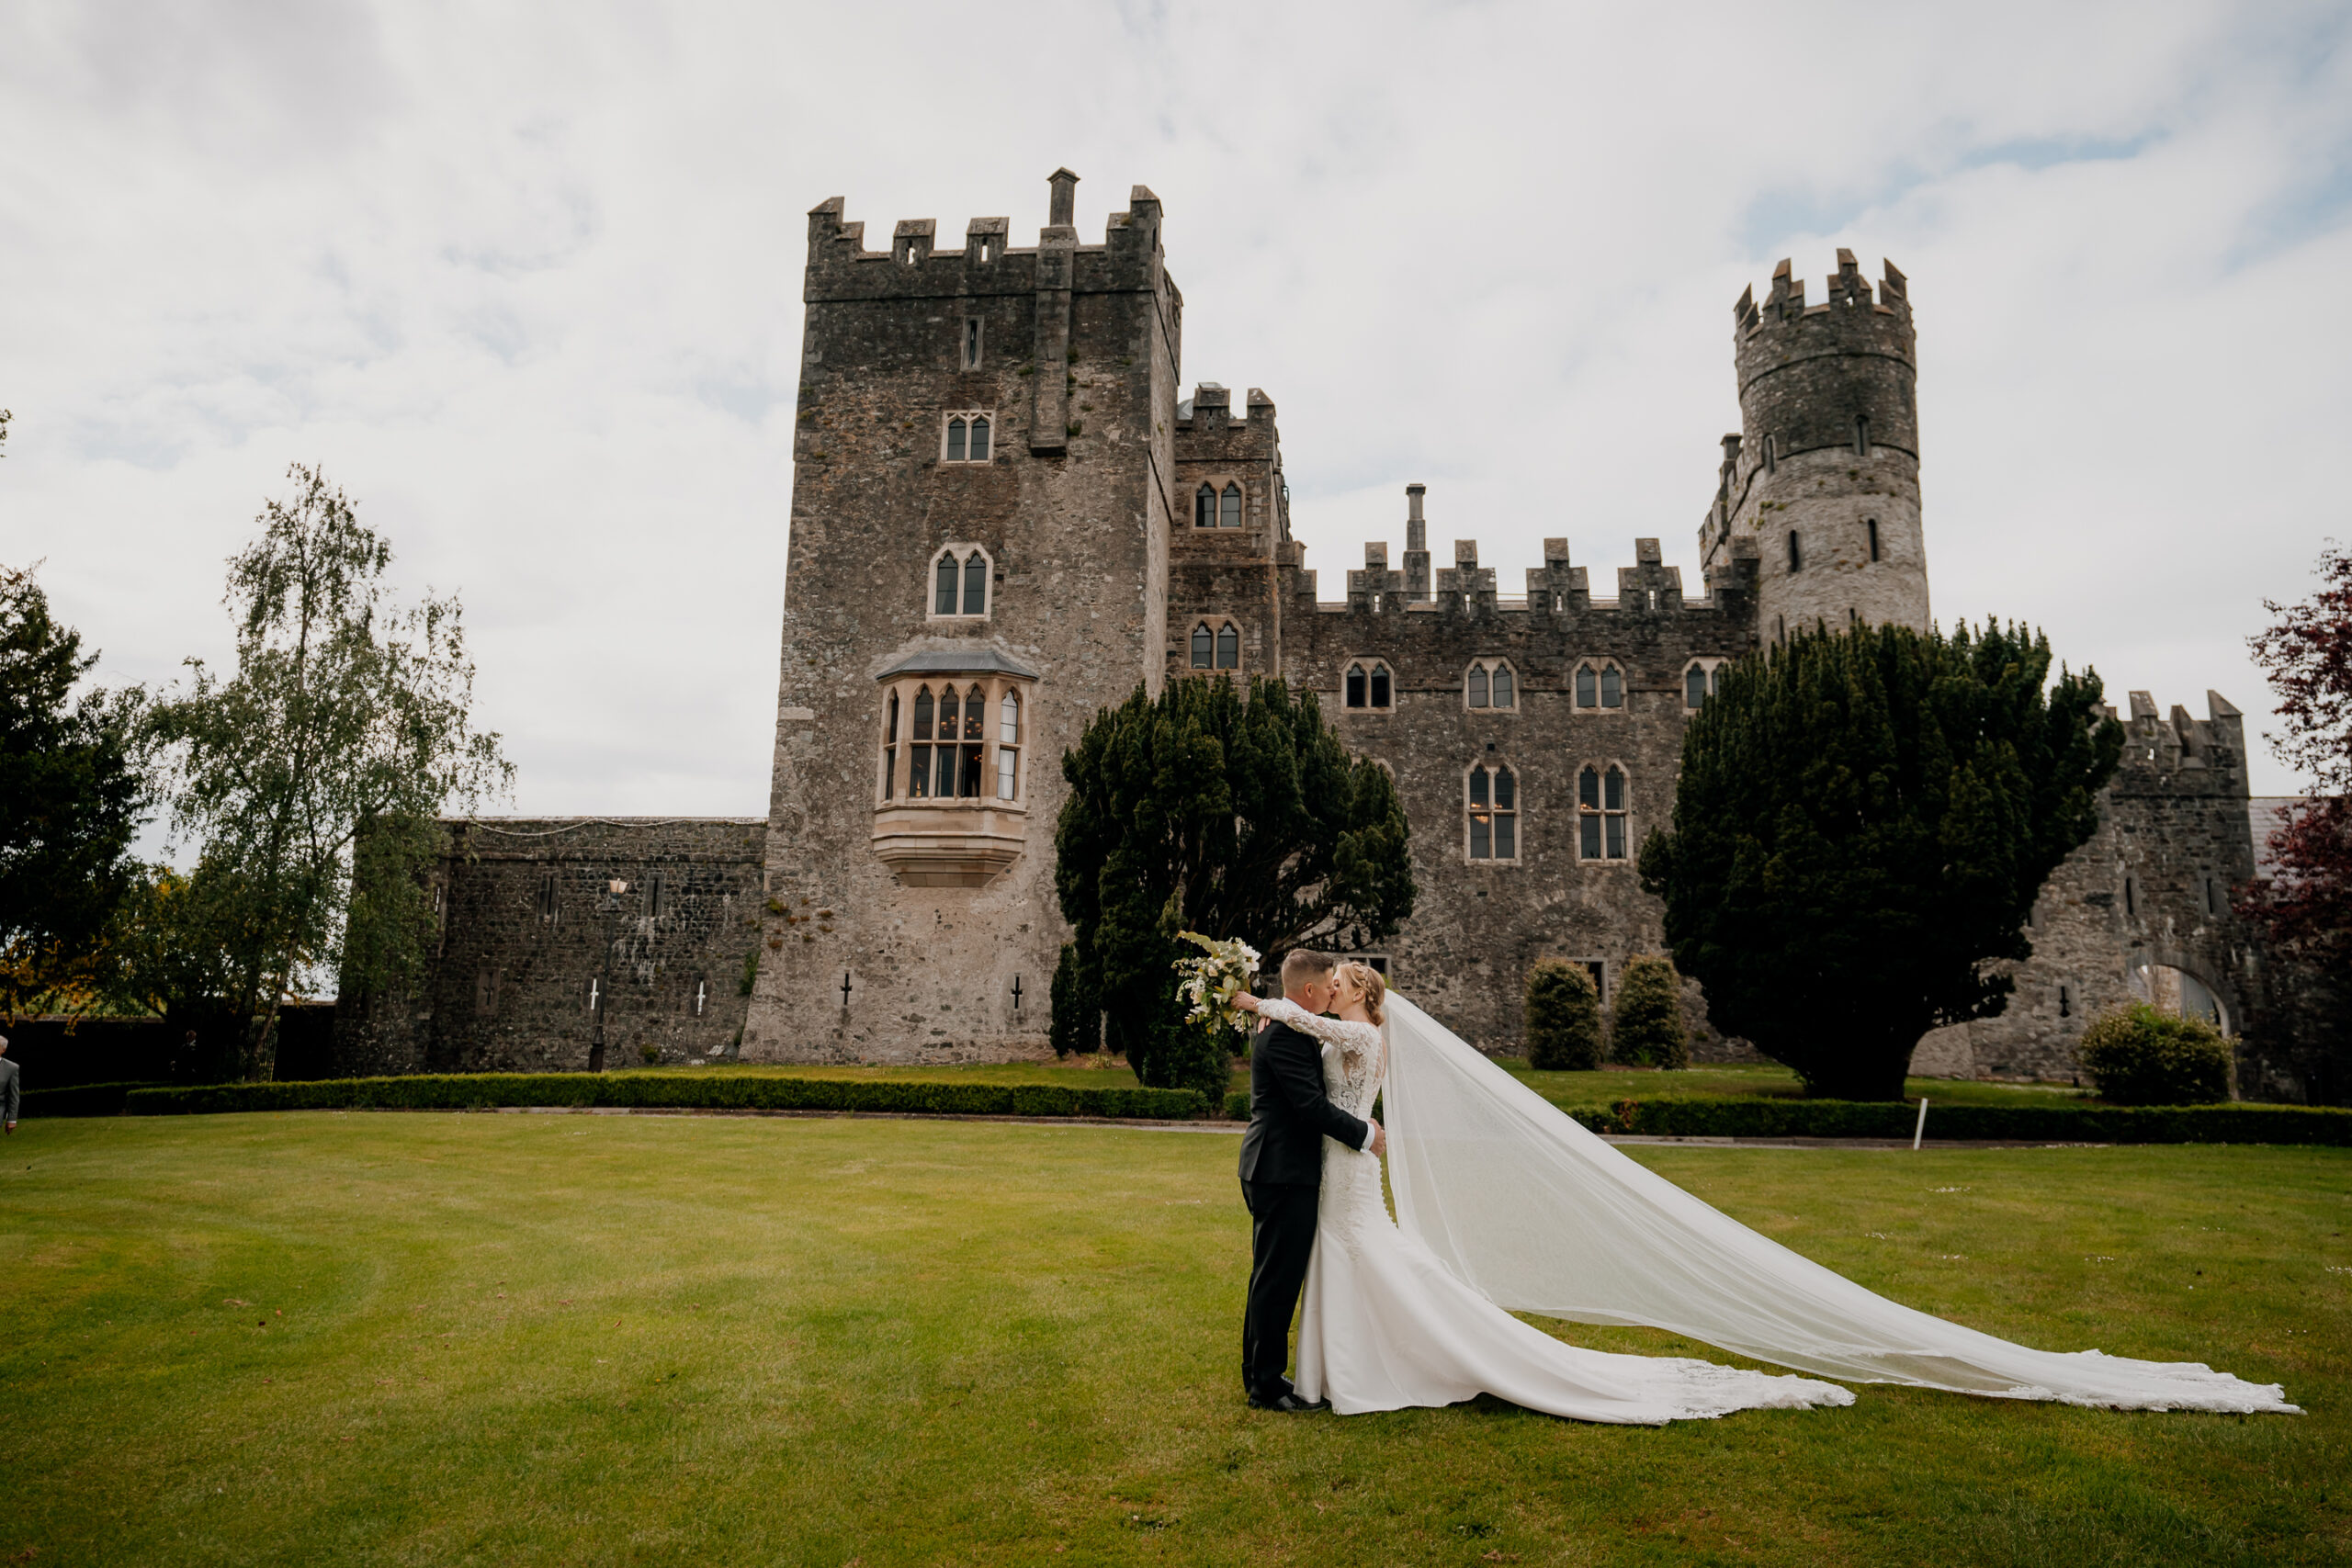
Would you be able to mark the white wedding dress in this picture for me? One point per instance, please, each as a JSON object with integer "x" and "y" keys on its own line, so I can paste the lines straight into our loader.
{"x": 1504, "y": 1202}
{"x": 1385, "y": 1325}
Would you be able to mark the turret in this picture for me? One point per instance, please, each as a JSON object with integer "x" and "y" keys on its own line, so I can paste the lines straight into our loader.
{"x": 1824, "y": 478}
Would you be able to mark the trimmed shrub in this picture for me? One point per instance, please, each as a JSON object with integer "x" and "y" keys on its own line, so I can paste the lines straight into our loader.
{"x": 1751, "y": 1116}
{"x": 2136, "y": 1056}
{"x": 1237, "y": 1106}
{"x": 1563, "y": 1016}
{"x": 462, "y": 1091}
{"x": 80, "y": 1100}
{"x": 1646, "y": 1026}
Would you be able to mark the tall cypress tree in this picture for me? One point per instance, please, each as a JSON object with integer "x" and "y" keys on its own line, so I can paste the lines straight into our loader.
{"x": 1202, "y": 809}
{"x": 1862, "y": 822}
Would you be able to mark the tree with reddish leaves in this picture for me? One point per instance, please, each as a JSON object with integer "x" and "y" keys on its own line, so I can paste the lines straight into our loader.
{"x": 2305, "y": 905}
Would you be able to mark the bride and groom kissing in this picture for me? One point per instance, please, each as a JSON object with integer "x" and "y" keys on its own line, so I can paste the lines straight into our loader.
{"x": 1506, "y": 1202}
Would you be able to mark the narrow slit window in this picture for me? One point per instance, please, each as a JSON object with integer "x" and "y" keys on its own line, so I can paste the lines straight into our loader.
{"x": 1872, "y": 523}
{"x": 975, "y": 586}
{"x": 1203, "y": 647}
{"x": 971, "y": 342}
{"x": 1861, "y": 437}
{"x": 1229, "y": 511}
{"x": 1796, "y": 553}
{"x": 1228, "y": 647}
{"x": 943, "y": 601}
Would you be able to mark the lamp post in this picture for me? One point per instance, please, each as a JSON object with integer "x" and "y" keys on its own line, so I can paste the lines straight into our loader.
{"x": 614, "y": 889}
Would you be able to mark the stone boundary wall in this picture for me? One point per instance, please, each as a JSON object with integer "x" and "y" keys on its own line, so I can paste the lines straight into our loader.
{"x": 533, "y": 940}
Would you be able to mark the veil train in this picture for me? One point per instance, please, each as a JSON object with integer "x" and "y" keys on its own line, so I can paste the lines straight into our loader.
{"x": 1543, "y": 1217}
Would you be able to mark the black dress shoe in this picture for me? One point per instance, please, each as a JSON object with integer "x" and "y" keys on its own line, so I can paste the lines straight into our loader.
{"x": 1290, "y": 1404}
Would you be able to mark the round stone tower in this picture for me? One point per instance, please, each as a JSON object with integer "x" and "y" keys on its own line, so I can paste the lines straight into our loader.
{"x": 1824, "y": 475}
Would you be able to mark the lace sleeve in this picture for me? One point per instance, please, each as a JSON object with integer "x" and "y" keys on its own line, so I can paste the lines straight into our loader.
{"x": 1348, "y": 1037}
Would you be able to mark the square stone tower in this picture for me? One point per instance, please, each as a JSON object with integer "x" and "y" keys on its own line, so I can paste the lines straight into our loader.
{"x": 978, "y": 562}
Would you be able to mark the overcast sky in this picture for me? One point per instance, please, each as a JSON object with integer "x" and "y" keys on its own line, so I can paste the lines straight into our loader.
{"x": 526, "y": 281}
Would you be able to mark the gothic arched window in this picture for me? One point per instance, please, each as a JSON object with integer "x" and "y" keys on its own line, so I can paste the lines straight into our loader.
{"x": 1491, "y": 684}
{"x": 967, "y": 440}
{"x": 1230, "y": 511}
{"x": 1600, "y": 685}
{"x": 1493, "y": 809}
{"x": 1703, "y": 679}
{"x": 1600, "y": 812}
{"x": 1366, "y": 684}
{"x": 1228, "y": 647}
{"x": 1203, "y": 647}
{"x": 960, "y": 577}
{"x": 1008, "y": 736}
{"x": 1204, "y": 507}
{"x": 919, "y": 753}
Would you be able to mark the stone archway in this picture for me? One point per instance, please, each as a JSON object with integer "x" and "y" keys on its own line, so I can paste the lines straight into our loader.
{"x": 2171, "y": 988}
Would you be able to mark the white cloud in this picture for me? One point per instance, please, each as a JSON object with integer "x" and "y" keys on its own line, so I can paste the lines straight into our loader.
{"x": 526, "y": 283}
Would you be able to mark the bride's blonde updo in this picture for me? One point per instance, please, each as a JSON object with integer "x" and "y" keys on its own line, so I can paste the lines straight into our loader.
{"x": 1373, "y": 984}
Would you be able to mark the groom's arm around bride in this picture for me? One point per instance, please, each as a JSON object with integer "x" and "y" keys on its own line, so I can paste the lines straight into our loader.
{"x": 1282, "y": 1171}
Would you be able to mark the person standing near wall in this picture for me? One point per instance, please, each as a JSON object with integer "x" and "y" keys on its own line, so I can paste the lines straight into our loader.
{"x": 10, "y": 1096}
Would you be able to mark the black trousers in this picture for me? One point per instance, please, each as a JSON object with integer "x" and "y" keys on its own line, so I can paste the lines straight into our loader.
{"x": 1282, "y": 1239}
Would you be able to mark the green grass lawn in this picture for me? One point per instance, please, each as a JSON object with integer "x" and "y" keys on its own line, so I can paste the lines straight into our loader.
{"x": 574, "y": 1339}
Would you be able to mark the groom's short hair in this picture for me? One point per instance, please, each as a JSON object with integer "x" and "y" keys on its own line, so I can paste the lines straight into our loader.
{"x": 1302, "y": 965}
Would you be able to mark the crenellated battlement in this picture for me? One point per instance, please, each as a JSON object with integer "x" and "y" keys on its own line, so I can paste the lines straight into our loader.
{"x": 2177, "y": 751}
{"x": 840, "y": 266}
{"x": 1848, "y": 291}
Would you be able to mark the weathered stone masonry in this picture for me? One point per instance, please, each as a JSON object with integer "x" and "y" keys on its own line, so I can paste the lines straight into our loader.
{"x": 533, "y": 937}
{"x": 1002, "y": 509}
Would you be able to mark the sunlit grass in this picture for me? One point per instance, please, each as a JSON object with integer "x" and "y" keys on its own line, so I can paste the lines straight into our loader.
{"x": 575, "y": 1339}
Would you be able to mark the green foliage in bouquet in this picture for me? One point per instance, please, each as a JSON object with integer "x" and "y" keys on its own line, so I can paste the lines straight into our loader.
{"x": 1646, "y": 1026}
{"x": 1563, "y": 1016}
{"x": 2137, "y": 1056}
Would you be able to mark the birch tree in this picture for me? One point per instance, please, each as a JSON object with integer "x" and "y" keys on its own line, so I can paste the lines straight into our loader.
{"x": 345, "y": 728}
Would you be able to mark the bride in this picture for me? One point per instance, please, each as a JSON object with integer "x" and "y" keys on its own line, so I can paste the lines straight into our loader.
{"x": 1505, "y": 1202}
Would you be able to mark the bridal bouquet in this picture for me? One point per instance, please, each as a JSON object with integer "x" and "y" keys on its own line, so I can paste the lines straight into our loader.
{"x": 1211, "y": 982}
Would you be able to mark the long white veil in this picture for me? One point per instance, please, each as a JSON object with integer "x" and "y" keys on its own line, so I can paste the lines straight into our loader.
{"x": 1543, "y": 1216}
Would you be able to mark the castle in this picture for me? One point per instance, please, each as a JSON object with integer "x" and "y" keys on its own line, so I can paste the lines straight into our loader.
{"x": 1007, "y": 514}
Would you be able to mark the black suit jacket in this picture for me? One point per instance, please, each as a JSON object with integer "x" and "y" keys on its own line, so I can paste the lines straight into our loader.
{"x": 1289, "y": 1113}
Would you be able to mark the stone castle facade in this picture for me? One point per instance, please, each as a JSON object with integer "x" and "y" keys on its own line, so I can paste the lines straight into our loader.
{"x": 1007, "y": 514}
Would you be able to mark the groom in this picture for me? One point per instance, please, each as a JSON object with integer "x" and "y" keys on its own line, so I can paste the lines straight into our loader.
{"x": 1282, "y": 1177}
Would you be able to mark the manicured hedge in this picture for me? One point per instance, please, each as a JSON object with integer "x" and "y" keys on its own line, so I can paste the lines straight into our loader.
{"x": 1747, "y": 1117}
{"x": 82, "y": 1100}
{"x": 459, "y": 1091}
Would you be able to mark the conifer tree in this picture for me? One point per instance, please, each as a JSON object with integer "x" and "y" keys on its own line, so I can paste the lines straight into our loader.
{"x": 1202, "y": 809}
{"x": 1862, "y": 822}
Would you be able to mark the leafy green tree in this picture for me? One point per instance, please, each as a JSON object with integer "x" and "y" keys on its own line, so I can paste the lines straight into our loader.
{"x": 1862, "y": 822}
{"x": 1646, "y": 1027}
{"x": 1563, "y": 1016}
{"x": 1207, "y": 810}
{"x": 72, "y": 794}
{"x": 346, "y": 730}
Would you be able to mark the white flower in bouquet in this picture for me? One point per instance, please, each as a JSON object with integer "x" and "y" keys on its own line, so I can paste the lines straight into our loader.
{"x": 1210, "y": 983}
